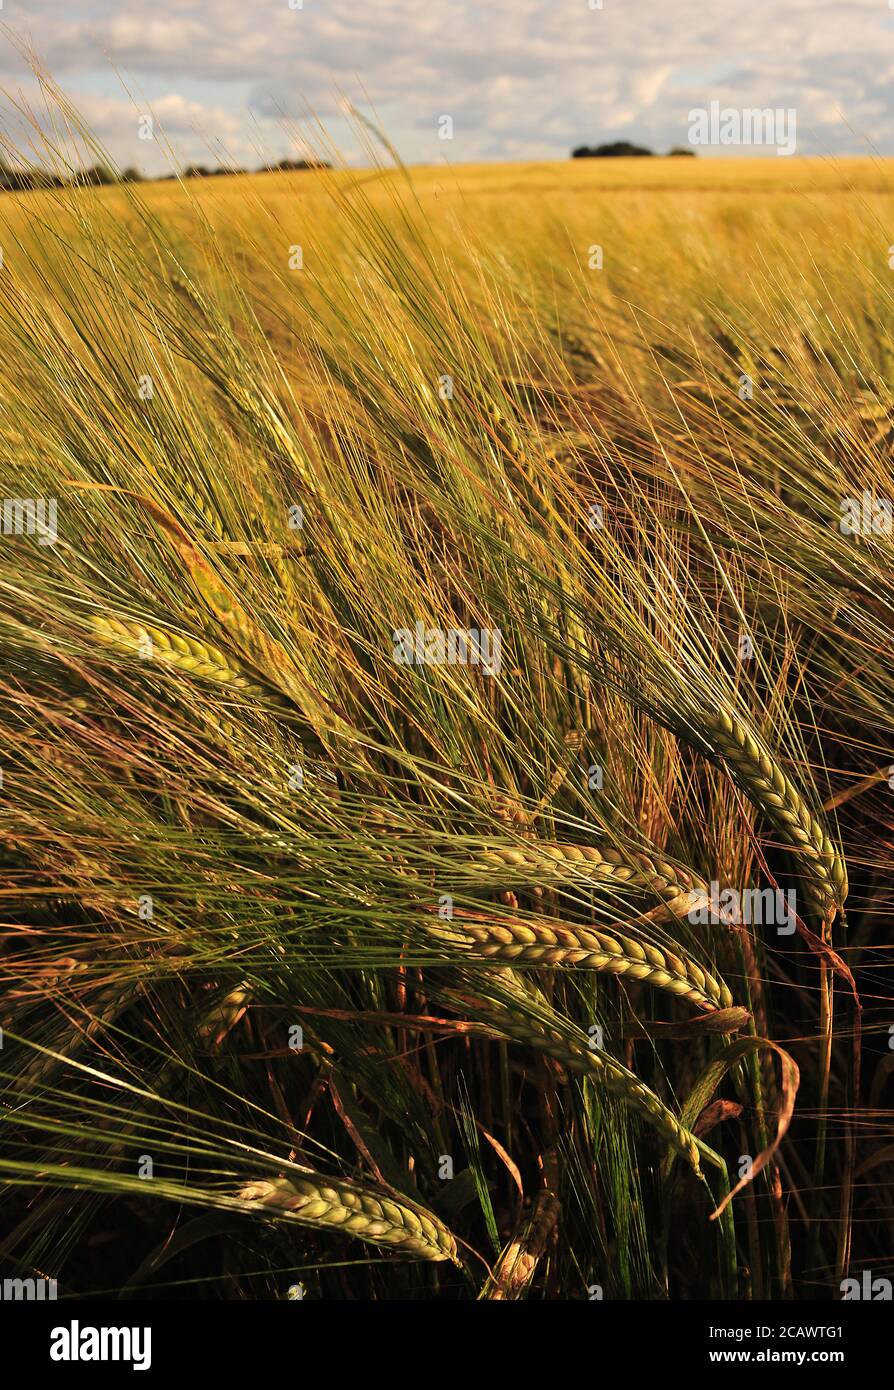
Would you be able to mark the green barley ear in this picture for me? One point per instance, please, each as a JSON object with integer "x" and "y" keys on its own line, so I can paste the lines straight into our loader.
{"x": 772, "y": 791}
{"x": 265, "y": 653}
{"x": 610, "y": 1074}
{"x": 370, "y": 1216}
{"x": 192, "y": 655}
{"x": 524, "y": 1017}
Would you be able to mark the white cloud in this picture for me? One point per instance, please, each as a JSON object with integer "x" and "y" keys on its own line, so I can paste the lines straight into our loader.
{"x": 518, "y": 76}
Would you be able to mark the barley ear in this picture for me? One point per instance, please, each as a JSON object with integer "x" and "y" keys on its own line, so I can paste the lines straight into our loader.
{"x": 574, "y": 1051}
{"x": 772, "y": 791}
{"x": 370, "y": 1216}
{"x": 572, "y": 863}
{"x": 545, "y": 941}
{"x": 190, "y": 654}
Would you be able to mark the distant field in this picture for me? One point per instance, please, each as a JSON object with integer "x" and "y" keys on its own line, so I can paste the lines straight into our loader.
{"x": 766, "y": 174}
{"x": 674, "y": 233}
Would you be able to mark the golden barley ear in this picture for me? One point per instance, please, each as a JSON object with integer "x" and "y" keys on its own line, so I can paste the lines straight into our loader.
{"x": 548, "y": 942}
{"x": 542, "y": 861}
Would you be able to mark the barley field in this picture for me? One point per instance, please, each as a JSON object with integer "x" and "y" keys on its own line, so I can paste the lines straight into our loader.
{"x": 446, "y": 732}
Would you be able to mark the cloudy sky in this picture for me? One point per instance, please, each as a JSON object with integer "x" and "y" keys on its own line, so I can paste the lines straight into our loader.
{"x": 521, "y": 79}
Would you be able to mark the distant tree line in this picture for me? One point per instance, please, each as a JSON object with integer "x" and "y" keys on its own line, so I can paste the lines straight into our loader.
{"x": 15, "y": 179}
{"x": 99, "y": 175}
{"x": 284, "y": 166}
{"x": 622, "y": 149}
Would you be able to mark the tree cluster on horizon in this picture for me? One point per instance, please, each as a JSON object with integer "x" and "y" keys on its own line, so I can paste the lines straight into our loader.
{"x": 623, "y": 149}
{"x": 100, "y": 175}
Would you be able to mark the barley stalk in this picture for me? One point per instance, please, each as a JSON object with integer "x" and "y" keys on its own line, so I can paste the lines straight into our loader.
{"x": 768, "y": 786}
{"x": 545, "y": 942}
{"x": 316, "y": 1201}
